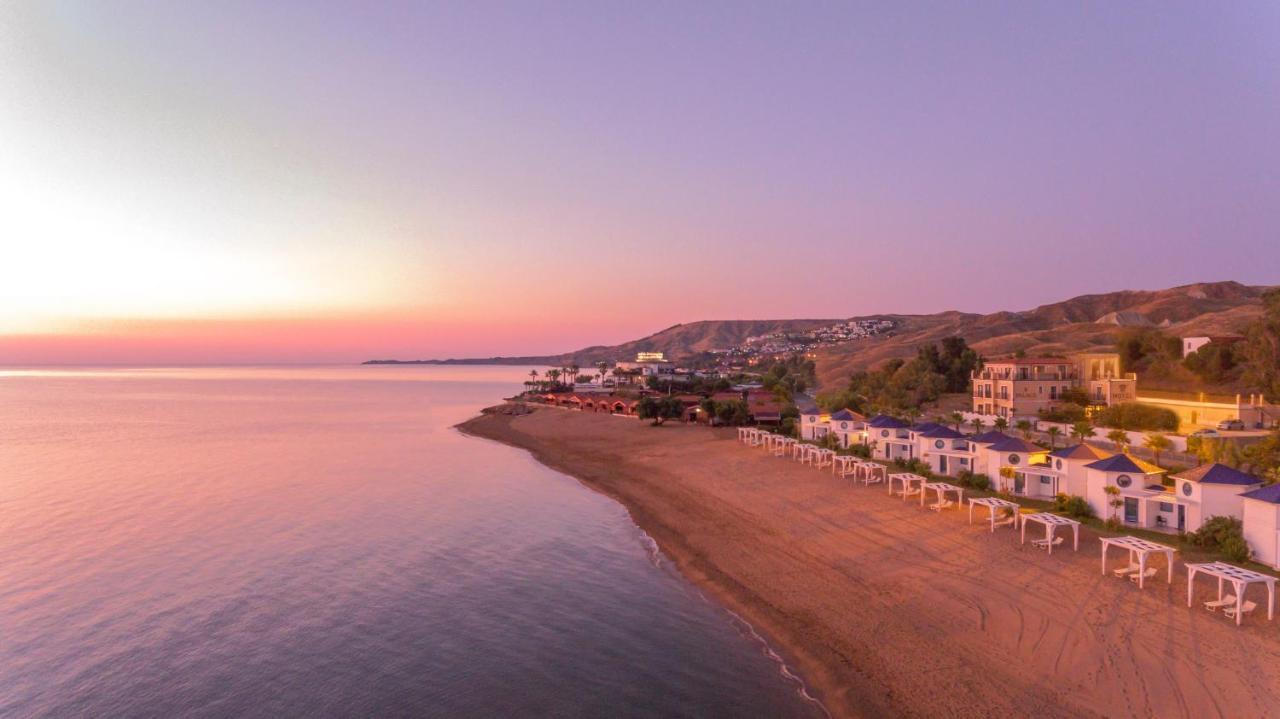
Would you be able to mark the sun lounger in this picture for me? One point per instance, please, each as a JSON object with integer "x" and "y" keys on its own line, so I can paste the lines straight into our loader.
{"x": 1044, "y": 543}
{"x": 1227, "y": 601}
{"x": 1009, "y": 521}
{"x": 944, "y": 504}
{"x": 1151, "y": 572}
{"x": 1127, "y": 570}
{"x": 1245, "y": 608}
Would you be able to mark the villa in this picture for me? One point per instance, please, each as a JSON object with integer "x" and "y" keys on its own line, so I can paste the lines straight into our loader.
{"x": 890, "y": 438}
{"x": 1026, "y": 386}
{"x": 1144, "y": 500}
{"x": 1210, "y": 490}
{"x": 946, "y": 451}
{"x": 849, "y": 427}
{"x": 814, "y": 424}
{"x": 1070, "y": 463}
{"x": 1261, "y": 514}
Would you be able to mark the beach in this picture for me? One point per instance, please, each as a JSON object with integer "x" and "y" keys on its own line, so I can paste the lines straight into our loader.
{"x": 886, "y": 608}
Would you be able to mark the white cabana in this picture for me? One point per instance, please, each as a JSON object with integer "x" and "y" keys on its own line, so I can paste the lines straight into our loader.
{"x": 1240, "y": 579}
{"x": 1141, "y": 549}
{"x": 799, "y": 450}
{"x": 742, "y": 434}
{"x": 994, "y": 505}
{"x": 783, "y": 445}
{"x": 823, "y": 457}
{"x": 872, "y": 472}
{"x": 942, "y": 488}
{"x": 911, "y": 484}
{"x": 844, "y": 465}
{"x": 1051, "y": 523}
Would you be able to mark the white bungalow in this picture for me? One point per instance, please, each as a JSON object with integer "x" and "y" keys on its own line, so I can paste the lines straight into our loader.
{"x": 1261, "y": 513}
{"x": 946, "y": 451}
{"x": 849, "y": 427}
{"x": 1143, "y": 497}
{"x": 814, "y": 424}
{"x": 890, "y": 438}
{"x": 1210, "y": 490}
{"x": 978, "y": 445}
{"x": 1070, "y": 463}
{"x": 1033, "y": 476}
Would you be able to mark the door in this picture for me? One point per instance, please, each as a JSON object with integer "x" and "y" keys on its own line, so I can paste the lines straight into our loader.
{"x": 942, "y": 464}
{"x": 1182, "y": 517}
{"x": 1019, "y": 484}
{"x": 1131, "y": 510}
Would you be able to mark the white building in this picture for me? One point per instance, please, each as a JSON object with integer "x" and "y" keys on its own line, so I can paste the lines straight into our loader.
{"x": 1070, "y": 463}
{"x": 946, "y": 451}
{"x": 849, "y": 427}
{"x": 1210, "y": 490}
{"x": 1033, "y": 476}
{"x": 1261, "y": 509}
{"x": 1191, "y": 345}
{"x": 890, "y": 438}
{"x": 1144, "y": 501}
{"x": 814, "y": 424}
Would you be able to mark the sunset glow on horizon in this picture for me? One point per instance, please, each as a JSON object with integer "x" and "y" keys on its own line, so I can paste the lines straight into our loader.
{"x": 326, "y": 182}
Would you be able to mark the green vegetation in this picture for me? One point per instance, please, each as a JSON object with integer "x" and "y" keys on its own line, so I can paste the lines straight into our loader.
{"x": 972, "y": 480}
{"x": 901, "y": 387}
{"x": 1072, "y": 506}
{"x": 659, "y": 409}
{"x": 1260, "y": 351}
{"x": 1138, "y": 417}
{"x": 1067, "y": 413}
{"x": 793, "y": 374}
{"x": 1224, "y": 535}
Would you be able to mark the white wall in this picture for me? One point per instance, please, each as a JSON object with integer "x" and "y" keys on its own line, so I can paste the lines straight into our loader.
{"x": 1260, "y": 531}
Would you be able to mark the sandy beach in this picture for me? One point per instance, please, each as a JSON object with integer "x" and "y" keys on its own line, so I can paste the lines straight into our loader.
{"x": 886, "y": 608}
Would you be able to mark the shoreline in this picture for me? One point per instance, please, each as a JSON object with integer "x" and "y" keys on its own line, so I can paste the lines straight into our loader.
{"x": 885, "y": 609}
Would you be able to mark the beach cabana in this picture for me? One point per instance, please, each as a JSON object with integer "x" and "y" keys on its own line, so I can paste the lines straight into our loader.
{"x": 872, "y": 472}
{"x": 799, "y": 451}
{"x": 994, "y": 505}
{"x": 1051, "y": 523}
{"x": 912, "y": 484}
{"x": 1140, "y": 549}
{"x": 844, "y": 465}
{"x": 942, "y": 488}
{"x": 823, "y": 457}
{"x": 1240, "y": 579}
{"x": 744, "y": 434}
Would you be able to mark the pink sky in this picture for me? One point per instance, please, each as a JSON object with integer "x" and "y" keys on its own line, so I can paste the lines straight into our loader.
{"x": 232, "y": 182}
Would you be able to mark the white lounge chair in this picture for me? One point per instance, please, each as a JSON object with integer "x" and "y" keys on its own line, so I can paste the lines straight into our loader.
{"x": 1151, "y": 572}
{"x": 1126, "y": 570}
{"x": 1009, "y": 521}
{"x": 1245, "y": 608}
{"x": 1044, "y": 543}
{"x": 1227, "y": 601}
{"x": 944, "y": 504}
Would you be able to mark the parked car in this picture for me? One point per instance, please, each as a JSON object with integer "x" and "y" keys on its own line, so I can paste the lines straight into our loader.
{"x": 1206, "y": 433}
{"x": 1231, "y": 424}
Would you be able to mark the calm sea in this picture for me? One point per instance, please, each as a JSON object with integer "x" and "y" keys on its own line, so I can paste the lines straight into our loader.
{"x": 320, "y": 542}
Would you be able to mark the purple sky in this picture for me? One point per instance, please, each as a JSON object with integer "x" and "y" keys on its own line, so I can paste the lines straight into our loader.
{"x": 507, "y": 178}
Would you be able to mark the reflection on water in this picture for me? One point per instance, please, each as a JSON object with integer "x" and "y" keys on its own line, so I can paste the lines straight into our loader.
{"x": 319, "y": 541}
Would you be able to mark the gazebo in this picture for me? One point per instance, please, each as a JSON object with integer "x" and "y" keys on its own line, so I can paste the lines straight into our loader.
{"x": 782, "y": 445}
{"x": 744, "y": 434}
{"x": 942, "y": 488}
{"x": 844, "y": 465}
{"x": 1142, "y": 549}
{"x": 994, "y": 504}
{"x": 1051, "y": 523}
{"x": 1240, "y": 579}
{"x": 907, "y": 479}
{"x": 872, "y": 472}
{"x": 822, "y": 457}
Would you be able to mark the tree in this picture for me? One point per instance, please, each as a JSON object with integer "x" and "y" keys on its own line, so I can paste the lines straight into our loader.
{"x": 957, "y": 419}
{"x": 1119, "y": 438}
{"x": 604, "y": 370}
{"x": 533, "y": 376}
{"x": 553, "y": 374}
{"x": 659, "y": 409}
{"x": 1001, "y": 424}
{"x": 1261, "y": 348}
{"x": 978, "y": 424}
{"x": 1157, "y": 443}
{"x": 1114, "y": 502}
{"x": 1025, "y": 429}
{"x": 1263, "y": 458}
{"x": 573, "y": 373}
{"x": 1081, "y": 431}
{"x": 1054, "y": 433}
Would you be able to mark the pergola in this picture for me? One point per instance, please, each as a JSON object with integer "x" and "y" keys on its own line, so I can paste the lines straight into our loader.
{"x": 1140, "y": 547}
{"x": 1051, "y": 523}
{"x": 799, "y": 450}
{"x": 1239, "y": 577}
{"x": 782, "y": 445}
{"x": 821, "y": 457}
{"x": 869, "y": 470}
{"x": 994, "y": 504}
{"x": 942, "y": 488}
{"x": 744, "y": 434}
{"x": 844, "y": 464}
{"x": 907, "y": 479}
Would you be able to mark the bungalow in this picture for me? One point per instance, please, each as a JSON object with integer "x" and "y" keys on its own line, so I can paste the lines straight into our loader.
{"x": 1070, "y": 463}
{"x": 1210, "y": 490}
{"x": 814, "y": 424}
{"x": 1262, "y": 524}
{"x": 764, "y": 408}
{"x": 980, "y": 444}
{"x": 1145, "y": 501}
{"x": 849, "y": 427}
{"x": 1032, "y": 474}
{"x": 890, "y": 438}
{"x": 945, "y": 450}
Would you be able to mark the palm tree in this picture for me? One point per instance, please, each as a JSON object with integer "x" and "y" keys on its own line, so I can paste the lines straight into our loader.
{"x": 1081, "y": 430}
{"x": 533, "y": 376}
{"x": 1157, "y": 443}
{"x": 1119, "y": 438}
{"x": 1024, "y": 428}
{"x": 573, "y": 372}
{"x": 604, "y": 369}
{"x": 554, "y": 375}
{"x": 1053, "y": 433}
{"x": 957, "y": 419}
{"x": 978, "y": 424}
{"x": 1001, "y": 424}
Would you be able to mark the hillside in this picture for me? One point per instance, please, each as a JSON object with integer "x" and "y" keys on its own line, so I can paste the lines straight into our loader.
{"x": 1077, "y": 324}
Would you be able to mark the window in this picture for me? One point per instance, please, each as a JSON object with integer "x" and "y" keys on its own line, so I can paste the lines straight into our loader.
{"x": 1045, "y": 480}
{"x": 884, "y": 433}
{"x": 1013, "y": 459}
{"x": 1166, "y": 507}
{"x": 1186, "y": 489}
{"x": 1058, "y": 464}
{"x": 1123, "y": 481}
{"x": 844, "y": 425}
{"x": 964, "y": 461}
{"x": 939, "y": 444}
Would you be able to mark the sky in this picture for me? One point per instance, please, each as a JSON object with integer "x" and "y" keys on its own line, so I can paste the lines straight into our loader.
{"x": 330, "y": 182}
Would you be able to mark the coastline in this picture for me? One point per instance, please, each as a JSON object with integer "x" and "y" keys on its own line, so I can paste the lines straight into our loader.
{"x": 887, "y": 609}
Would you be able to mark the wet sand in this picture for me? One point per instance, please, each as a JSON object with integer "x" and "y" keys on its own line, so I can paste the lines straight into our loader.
{"x": 886, "y": 608}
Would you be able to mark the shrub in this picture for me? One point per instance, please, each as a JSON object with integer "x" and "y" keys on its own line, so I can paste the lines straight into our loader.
{"x": 860, "y": 450}
{"x": 1068, "y": 413}
{"x": 973, "y": 480}
{"x": 913, "y": 465}
{"x": 1224, "y": 535}
{"x": 1073, "y": 506}
{"x": 1137, "y": 416}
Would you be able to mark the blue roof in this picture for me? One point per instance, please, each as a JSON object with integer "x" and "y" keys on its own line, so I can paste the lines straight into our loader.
{"x": 1013, "y": 444}
{"x": 884, "y": 421}
{"x": 810, "y": 410}
{"x": 844, "y": 414}
{"x": 1269, "y": 493}
{"x": 989, "y": 437}
{"x": 925, "y": 427}
{"x": 943, "y": 433}
{"x": 1116, "y": 463}
{"x": 1218, "y": 473}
